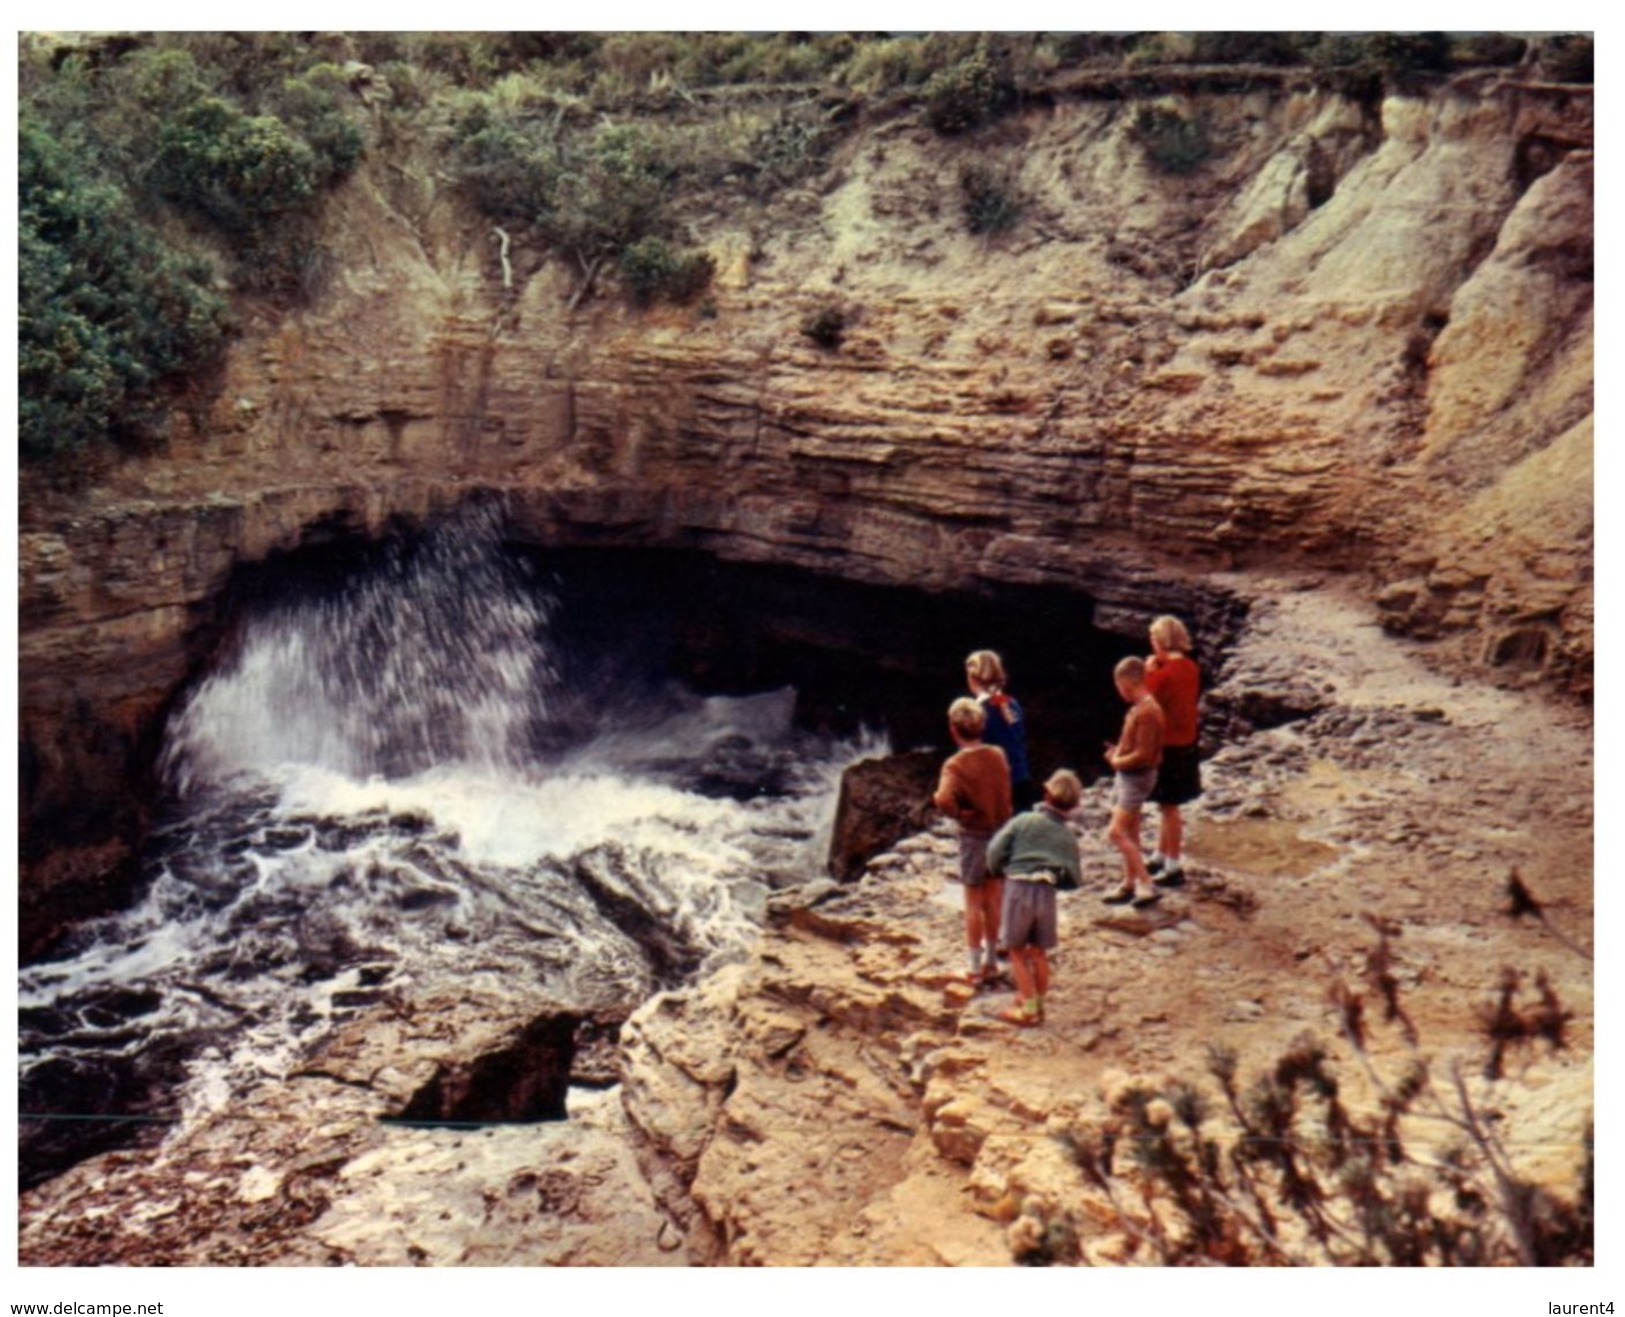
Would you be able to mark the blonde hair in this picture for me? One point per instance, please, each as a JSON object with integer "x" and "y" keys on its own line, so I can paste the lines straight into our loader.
{"x": 1064, "y": 790}
{"x": 967, "y": 718}
{"x": 1131, "y": 670}
{"x": 986, "y": 667}
{"x": 1169, "y": 632}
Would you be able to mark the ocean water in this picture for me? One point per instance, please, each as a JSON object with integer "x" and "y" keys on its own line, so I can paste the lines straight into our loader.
{"x": 402, "y": 782}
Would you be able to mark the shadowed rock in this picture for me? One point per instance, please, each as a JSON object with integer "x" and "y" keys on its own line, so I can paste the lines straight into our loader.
{"x": 882, "y": 801}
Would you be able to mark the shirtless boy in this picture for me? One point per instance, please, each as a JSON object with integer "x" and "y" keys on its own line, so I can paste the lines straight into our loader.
{"x": 1134, "y": 757}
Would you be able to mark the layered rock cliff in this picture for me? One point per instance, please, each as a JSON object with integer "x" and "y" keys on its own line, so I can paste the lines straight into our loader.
{"x": 1359, "y": 336}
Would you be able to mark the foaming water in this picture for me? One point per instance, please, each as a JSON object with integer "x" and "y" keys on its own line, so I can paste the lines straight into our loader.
{"x": 437, "y": 655}
{"x": 375, "y": 798}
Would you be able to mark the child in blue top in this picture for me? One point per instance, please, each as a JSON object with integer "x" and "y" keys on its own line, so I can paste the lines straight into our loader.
{"x": 1006, "y": 725}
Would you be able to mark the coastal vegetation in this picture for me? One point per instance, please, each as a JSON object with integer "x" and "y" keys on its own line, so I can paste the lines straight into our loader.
{"x": 167, "y": 178}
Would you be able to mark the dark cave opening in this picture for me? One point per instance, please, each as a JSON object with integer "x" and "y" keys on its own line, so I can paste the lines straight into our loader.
{"x": 886, "y": 658}
{"x": 882, "y": 657}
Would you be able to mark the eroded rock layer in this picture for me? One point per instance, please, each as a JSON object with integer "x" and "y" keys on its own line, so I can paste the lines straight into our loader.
{"x": 1361, "y": 333}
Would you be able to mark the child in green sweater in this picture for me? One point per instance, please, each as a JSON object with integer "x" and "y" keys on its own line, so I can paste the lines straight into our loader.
{"x": 1036, "y": 853}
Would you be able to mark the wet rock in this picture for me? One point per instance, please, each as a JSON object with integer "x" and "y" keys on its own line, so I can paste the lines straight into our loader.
{"x": 630, "y": 896}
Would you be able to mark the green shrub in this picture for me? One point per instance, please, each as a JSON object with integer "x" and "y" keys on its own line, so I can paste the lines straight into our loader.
{"x": 1392, "y": 54}
{"x": 878, "y": 65}
{"x": 1570, "y": 57}
{"x": 108, "y": 314}
{"x": 591, "y": 196}
{"x": 318, "y": 105}
{"x": 655, "y": 271}
{"x": 1276, "y": 48}
{"x": 510, "y": 169}
{"x": 1087, "y": 47}
{"x": 1486, "y": 50}
{"x": 789, "y": 147}
{"x": 1402, "y": 52}
{"x": 967, "y": 94}
{"x": 1151, "y": 48}
{"x": 991, "y": 202}
{"x": 611, "y": 194}
{"x": 411, "y": 86}
{"x": 826, "y": 325}
{"x": 160, "y": 81}
{"x": 468, "y": 60}
{"x": 1174, "y": 141}
{"x": 236, "y": 169}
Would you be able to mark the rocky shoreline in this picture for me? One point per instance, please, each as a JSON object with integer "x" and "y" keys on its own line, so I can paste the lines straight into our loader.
{"x": 837, "y": 1098}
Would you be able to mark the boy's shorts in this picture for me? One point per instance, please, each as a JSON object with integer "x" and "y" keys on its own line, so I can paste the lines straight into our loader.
{"x": 1134, "y": 787}
{"x": 973, "y": 858}
{"x": 1027, "y": 917}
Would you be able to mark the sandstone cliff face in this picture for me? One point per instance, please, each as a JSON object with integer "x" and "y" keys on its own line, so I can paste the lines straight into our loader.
{"x": 1360, "y": 334}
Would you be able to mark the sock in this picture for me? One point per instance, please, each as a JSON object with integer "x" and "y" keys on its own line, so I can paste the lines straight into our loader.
{"x": 973, "y": 959}
{"x": 1171, "y": 863}
{"x": 991, "y": 956}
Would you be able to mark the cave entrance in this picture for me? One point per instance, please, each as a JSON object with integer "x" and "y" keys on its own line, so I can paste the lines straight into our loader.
{"x": 885, "y": 658}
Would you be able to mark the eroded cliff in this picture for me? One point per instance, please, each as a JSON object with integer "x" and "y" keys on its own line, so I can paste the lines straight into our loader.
{"x": 1360, "y": 335}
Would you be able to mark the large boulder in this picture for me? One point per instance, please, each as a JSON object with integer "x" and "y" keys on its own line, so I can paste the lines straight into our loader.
{"x": 881, "y": 802}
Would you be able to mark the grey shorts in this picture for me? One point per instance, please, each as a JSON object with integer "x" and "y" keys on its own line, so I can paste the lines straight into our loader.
{"x": 1027, "y": 918}
{"x": 1134, "y": 788}
{"x": 973, "y": 858}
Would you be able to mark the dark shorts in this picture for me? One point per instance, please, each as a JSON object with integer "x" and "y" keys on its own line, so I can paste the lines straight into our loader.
{"x": 1180, "y": 778}
{"x": 973, "y": 858}
{"x": 1027, "y": 917}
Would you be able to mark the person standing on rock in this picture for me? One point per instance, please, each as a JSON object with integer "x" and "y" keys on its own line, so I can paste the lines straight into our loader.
{"x": 1006, "y": 725}
{"x": 974, "y": 791}
{"x": 1036, "y": 854}
{"x": 1134, "y": 757}
{"x": 1175, "y": 682}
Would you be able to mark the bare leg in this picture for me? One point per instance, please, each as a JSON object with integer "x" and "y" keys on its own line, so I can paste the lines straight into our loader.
{"x": 1170, "y": 831}
{"x": 994, "y": 916}
{"x": 1026, "y": 981}
{"x": 1124, "y": 834}
{"x": 975, "y": 917}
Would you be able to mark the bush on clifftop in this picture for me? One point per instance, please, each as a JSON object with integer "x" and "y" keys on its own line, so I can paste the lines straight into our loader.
{"x": 108, "y": 313}
{"x": 654, "y": 270}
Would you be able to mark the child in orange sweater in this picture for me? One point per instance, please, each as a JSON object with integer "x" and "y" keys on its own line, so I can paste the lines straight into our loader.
{"x": 974, "y": 791}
